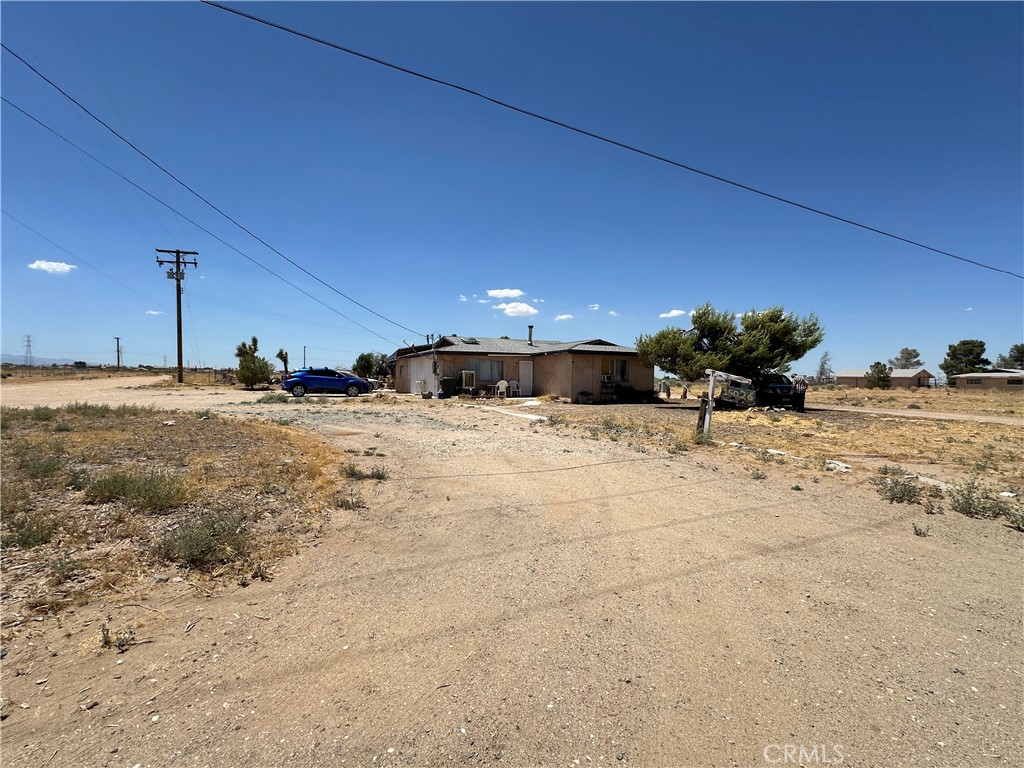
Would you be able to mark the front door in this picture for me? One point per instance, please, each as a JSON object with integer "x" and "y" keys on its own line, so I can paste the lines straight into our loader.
{"x": 526, "y": 378}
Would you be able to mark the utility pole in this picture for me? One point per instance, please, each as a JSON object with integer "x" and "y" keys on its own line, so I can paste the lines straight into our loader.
{"x": 303, "y": 355}
{"x": 118, "y": 340}
{"x": 177, "y": 274}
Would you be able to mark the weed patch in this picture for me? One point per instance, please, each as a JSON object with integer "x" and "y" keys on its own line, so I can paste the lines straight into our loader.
{"x": 143, "y": 491}
{"x": 209, "y": 540}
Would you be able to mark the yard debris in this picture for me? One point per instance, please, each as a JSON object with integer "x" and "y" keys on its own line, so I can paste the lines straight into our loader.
{"x": 169, "y": 423}
{"x": 837, "y": 466}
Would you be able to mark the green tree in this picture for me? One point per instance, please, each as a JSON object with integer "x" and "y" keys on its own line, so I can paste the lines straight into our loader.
{"x": 283, "y": 357}
{"x": 907, "y": 358}
{"x": 878, "y": 376}
{"x": 1012, "y": 359}
{"x": 252, "y": 370}
{"x": 767, "y": 342}
{"x": 372, "y": 364}
{"x": 966, "y": 356}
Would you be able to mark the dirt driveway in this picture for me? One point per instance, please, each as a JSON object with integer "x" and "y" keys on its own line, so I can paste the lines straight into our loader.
{"x": 520, "y": 595}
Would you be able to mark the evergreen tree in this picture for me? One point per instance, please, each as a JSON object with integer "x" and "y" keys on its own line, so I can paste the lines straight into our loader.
{"x": 879, "y": 376}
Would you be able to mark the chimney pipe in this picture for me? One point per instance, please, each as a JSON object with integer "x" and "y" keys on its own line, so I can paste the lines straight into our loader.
{"x": 529, "y": 339}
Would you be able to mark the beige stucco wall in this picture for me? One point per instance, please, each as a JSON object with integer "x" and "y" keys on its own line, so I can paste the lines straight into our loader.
{"x": 991, "y": 382}
{"x": 448, "y": 366}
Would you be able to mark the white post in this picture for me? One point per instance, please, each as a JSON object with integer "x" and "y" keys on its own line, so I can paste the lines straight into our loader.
{"x": 711, "y": 403}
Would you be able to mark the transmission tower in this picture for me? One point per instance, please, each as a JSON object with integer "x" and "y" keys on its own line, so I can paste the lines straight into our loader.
{"x": 28, "y": 351}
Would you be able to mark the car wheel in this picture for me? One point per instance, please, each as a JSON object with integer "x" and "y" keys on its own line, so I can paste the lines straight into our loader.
{"x": 298, "y": 390}
{"x": 352, "y": 390}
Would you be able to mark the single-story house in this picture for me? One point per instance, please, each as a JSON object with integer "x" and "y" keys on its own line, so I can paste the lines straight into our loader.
{"x": 997, "y": 378}
{"x": 900, "y": 378}
{"x": 539, "y": 367}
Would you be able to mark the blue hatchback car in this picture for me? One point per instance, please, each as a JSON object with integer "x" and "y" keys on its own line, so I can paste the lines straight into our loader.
{"x": 325, "y": 380}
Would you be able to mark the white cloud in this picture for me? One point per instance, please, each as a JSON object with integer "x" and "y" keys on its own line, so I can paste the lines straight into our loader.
{"x": 594, "y": 307}
{"x": 969, "y": 309}
{"x": 538, "y": 301}
{"x": 613, "y": 313}
{"x": 462, "y": 297}
{"x": 153, "y": 312}
{"x": 673, "y": 313}
{"x": 562, "y": 317}
{"x": 483, "y": 301}
{"x": 517, "y": 309}
{"x": 505, "y": 293}
{"x": 53, "y": 267}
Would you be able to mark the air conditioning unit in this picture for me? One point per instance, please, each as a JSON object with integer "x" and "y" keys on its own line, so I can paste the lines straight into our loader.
{"x": 607, "y": 378}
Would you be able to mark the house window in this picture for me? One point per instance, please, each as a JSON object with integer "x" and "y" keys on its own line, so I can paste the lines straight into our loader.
{"x": 1014, "y": 382}
{"x": 616, "y": 369}
{"x": 974, "y": 381}
{"x": 487, "y": 370}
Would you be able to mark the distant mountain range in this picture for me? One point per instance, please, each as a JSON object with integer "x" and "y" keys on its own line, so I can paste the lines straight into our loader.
{"x": 20, "y": 360}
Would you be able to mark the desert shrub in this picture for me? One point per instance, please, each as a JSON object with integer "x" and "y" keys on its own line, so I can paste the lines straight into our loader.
{"x": 89, "y": 409}
{"x": 914, "y": 407}
{"x": 757, "y": 474}
{"x": 144, "y": 491}
{"x": 273, "y": 397}
{"x": 919, "y": 531}
{"x": 352, "y": 472}
{"x": 42, "y": 413}
{"x": 15, "y": 497}
{"x": 380, "y": 473}
{"x": 63, "y": 568}
{"x": 349, "y": 502}
{"x": 897, "y": 490}
{"x": 1016, "y": 518}
{"x": 62, "y": 426}
{"x": 29, "y": 529}
{"x": 41, "y": 468}
{"x": 972, "y": 499}
{"x": 206, "y": 541}
{"x": 892, "y": 469}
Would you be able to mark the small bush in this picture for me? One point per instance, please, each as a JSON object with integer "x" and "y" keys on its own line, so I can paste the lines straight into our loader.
{"x": 15, "y": 497}
{"x": 795, "y": 488}
{"x": 273, "y": 397}
{"x": 919, "y": 531}
{"x": 207, "y": 541}
{"x": 30, "y": 529}
{"x": 892, "y": 470}
{"x": 701, "y": 439}
{"x": 62, "y": 426}
{"x": 349, "y": 502}
{"x": 972, "y": 499}
{"x": 352, "y": 472}
{"x": 914, "y": 407}
{"x": 1016, "y": 518}
{"x": 122, "y": 640}
{"x": 42, "y": 413}
{"x": 931, "y": 508}
{"x": 897, "y": 490}
{"x": 88, "y": 409}
{"x": 63, "y": 568}
{"x": 380, "y": 473}
{"x": 41, "y": 468}
{"x": 145, "y": 491}
{"x": 757, "y": 474}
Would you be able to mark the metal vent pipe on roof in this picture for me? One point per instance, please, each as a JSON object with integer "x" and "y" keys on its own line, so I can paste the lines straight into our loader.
{"x": 529, "y": 338}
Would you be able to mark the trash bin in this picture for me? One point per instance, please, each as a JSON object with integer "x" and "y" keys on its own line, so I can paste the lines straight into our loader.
{"x": 449, "y": 386}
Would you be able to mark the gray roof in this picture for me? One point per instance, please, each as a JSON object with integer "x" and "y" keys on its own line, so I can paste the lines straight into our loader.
{"x": 1002, "y": 373}
{"x": 478, "y": 345}
{"x": 897, "y": 373}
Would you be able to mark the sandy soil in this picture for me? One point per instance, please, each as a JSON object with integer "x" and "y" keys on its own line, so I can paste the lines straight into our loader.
{"x": 519, "y": 595}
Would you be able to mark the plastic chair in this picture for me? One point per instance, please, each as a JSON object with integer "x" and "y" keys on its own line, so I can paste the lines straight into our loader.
{"x": 513, "y": 388}
{"x": 501, "y": 389}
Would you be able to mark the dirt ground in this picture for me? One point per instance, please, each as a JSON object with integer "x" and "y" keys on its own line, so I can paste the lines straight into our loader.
{"x": 523, "y": 594}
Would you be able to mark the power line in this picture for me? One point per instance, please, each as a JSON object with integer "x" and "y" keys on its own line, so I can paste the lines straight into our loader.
{"x": 599, "y": 137}
{"x": 194, "y": 223}
{"x": 249, "y": 232}
{"x": 79, "y": 258}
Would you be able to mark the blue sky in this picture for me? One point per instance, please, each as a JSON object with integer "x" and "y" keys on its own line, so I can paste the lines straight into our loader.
{"x": 420, "y": 202}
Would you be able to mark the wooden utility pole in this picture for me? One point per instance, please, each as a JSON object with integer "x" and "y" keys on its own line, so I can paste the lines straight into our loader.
{"x": 118, "y": 340}
{"x": 177, "y": 274}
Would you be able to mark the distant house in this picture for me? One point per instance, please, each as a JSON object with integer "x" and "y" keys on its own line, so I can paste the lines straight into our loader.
{"x": 556, "y": 368}
{"x": 998, "y": 378}
{"x": 901, "y": 378}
